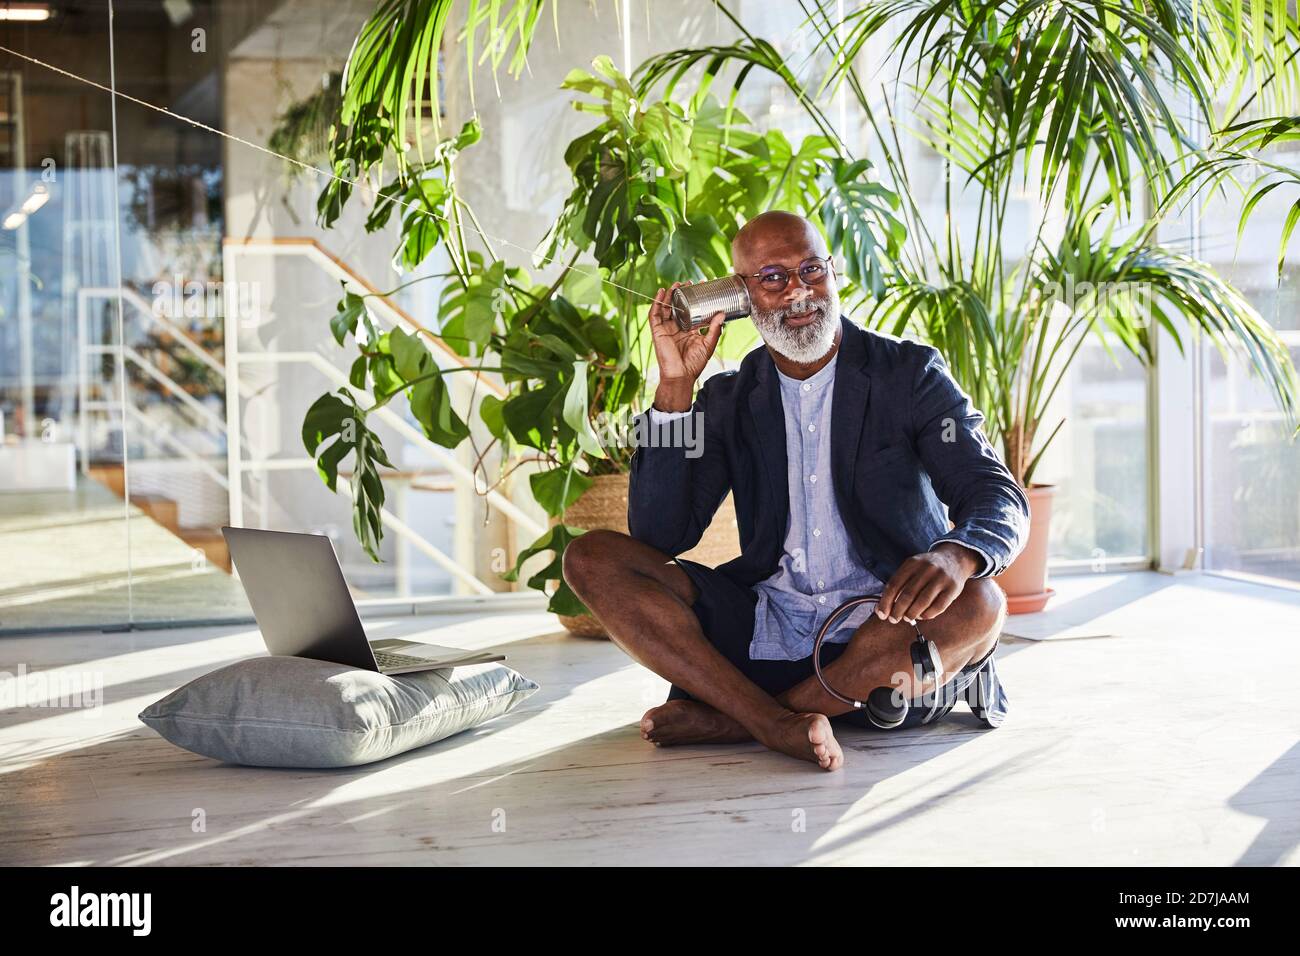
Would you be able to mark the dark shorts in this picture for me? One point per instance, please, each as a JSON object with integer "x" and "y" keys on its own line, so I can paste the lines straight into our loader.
{"x": 725, "y": 610}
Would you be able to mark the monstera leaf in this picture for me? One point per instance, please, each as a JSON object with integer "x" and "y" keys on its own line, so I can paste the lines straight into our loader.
{"x": 334, "y": 427}
{"x": 563, "y": 600}
{"x": 858, "y": 216}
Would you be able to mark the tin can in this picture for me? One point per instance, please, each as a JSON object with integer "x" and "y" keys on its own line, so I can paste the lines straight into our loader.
{"x": 693, "y": 304}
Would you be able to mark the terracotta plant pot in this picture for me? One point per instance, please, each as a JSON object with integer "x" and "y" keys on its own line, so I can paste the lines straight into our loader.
{"x": 1025, "y": 582}
{"x": 604, "y": 507}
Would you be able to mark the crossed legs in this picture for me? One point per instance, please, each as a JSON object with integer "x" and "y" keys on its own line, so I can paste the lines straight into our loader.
{"x": 644, "y": 601}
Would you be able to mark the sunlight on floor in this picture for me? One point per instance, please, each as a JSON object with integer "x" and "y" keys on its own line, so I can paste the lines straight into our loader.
{"x": 1164, "y": 742}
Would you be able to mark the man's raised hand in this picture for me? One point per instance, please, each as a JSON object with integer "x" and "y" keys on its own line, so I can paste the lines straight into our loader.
{"x": 681, "y": 355}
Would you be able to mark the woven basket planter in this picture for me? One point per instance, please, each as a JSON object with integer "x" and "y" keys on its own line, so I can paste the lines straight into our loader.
{"x": 603, "y": 507}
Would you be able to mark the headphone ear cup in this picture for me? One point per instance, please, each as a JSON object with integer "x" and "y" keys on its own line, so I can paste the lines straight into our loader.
{"x": 885, "y": 708}
{"x": 927, "y": 664}
{"x": 925, "y": 658}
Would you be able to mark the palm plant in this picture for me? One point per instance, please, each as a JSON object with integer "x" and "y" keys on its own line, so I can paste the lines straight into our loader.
{"x": 1079, "y": 105}
{"x": 1242, "y": 161}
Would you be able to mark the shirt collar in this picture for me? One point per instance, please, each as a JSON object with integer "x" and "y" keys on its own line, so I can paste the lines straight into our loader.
{"x": 821, "y": 377}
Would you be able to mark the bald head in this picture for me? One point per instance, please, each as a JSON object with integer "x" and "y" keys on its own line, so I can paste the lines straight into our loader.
{"x": 798, "y": 318}
{"x": 775, "y": 238}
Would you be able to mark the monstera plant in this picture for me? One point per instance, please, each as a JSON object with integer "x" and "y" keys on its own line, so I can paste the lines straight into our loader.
{"x": 660, "y": 185}
{"x": 1085, "y": 107}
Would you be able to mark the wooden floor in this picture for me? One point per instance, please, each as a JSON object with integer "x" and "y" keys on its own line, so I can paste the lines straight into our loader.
{"x": 1153, "y": 721}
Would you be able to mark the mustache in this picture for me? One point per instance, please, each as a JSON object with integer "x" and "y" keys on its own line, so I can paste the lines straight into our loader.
{"x": 800, "y": 308}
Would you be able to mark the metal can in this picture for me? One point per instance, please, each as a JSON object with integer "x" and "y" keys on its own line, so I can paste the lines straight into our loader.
{"x": 693, "y": 304}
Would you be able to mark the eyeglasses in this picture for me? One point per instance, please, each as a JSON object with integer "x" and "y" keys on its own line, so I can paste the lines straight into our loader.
{"x": 812, "y": 271}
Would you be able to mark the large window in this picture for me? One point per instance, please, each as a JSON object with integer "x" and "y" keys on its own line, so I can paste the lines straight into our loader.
{"x": 1252, "y": 460}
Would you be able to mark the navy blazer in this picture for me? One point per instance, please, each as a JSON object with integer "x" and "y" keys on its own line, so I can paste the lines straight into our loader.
{"x": 905, "y": 442}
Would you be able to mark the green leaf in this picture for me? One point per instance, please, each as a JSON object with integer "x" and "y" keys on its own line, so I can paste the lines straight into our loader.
{"x": 528, "y": 416}
{"x": 324, "y": 419}
{"x": 384, "y": 380}
{"x": 422, "y": 233}
{"x": 563, "y": 601}
{"x": 602, "y": 335}
{"x": 336, "y": 416}
{"x": 347, "y": 313}
{"x": 576, "y": 414}
{"x": 558, "y": 488}
{"x": 357, "y": 374}
{"x": 490, "y": 410}
{"x": 518, "y": 357}
{"x": 860, "y": 226}
{"x": 623, "y": 389}
{"x": 431, "y": 406}
{"x": 410, "y": 357}
{"x": 583, "y": 286}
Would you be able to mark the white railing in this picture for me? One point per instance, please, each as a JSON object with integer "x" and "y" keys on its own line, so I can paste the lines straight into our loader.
{"x": 394, "y": 421}
{"x": 163, "y": 321}
{"x": 389, "y": 314}
{"x": 386, "y": 310}
{"x": 86, "y": 349}
{"x": 168, "y": 384}
{"x": 160, "y": 438}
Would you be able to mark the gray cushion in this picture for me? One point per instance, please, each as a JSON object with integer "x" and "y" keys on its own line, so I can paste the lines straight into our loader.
{"x": 295, "y": 712}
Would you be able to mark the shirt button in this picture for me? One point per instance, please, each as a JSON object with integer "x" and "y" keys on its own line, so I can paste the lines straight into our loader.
{"x": 807, "y": 387}
{"x": 813, "y": 479}
{"x": 812, "y": 428}
{"x": 817, "y": 532}
{"x": 821, "y": 600}
{"x": 821, "y": 584}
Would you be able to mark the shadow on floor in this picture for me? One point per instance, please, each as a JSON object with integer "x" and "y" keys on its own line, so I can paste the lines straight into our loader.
{"x": 584, "y": 800}
{"x": 1272, "y": 796}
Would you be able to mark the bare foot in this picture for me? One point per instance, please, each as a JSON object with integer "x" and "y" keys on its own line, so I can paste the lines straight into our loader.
{"x": 690, "y": 722}
{"x": 808, "y": 737}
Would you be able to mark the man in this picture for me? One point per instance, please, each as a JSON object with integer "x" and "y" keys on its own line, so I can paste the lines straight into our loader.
{"x": 839, "y": 446}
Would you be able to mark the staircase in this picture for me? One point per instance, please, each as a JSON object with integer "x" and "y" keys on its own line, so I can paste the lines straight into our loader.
{"x": 195, "y": 465}
{"x": 165, "y": 512}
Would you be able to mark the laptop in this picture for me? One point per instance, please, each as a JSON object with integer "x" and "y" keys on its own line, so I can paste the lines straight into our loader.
{"x": 304, "y": 609}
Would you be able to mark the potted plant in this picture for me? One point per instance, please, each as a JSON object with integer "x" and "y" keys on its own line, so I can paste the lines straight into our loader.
{"x": 1070, "y": 103}
{"x": 660, "y": 186}
{"x": 1066, "y": 101}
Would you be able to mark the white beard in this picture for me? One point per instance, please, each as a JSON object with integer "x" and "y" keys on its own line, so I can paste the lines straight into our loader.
{"x": 805, "y": 344}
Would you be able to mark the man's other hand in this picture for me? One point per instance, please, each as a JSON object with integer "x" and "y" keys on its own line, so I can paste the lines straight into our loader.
{"x": 925, "y": 584}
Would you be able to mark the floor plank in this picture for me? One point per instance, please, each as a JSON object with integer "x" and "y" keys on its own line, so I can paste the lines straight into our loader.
{"x": 1176, "y": 739}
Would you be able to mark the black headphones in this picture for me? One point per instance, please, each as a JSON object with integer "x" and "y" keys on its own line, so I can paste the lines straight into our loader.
{"x": 883, "y": 706}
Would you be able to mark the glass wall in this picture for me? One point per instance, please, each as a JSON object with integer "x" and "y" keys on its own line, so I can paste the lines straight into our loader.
{"x": 165, "y": 298}
{"x": 63, "y": 521}
{"x": 165, "y": 294}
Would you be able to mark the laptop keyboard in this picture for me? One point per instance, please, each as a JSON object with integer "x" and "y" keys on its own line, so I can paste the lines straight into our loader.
{"x": 386, "y": 659}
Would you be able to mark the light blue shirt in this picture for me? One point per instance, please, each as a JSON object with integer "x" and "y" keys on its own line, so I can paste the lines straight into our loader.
{"x": 818, "y": 570}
